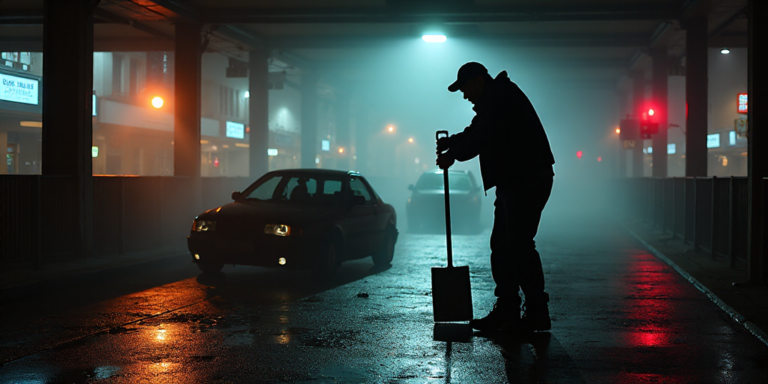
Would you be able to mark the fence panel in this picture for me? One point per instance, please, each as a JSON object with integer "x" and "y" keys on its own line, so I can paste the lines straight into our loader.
{"x": 107, "y": 215}
{"x": 721, "y": 223}
{"x": 690, "y": 211}
{"x": 143, "y": 213}
{"x": 59, "y": 204}
{"x": 679, "y": 208}
{"x": 658, "y": 202}
{"x": 739, "y": 203}
{"x": 703, "y": 231}
{"x": 19, "y": 226}
{"x": 668, "y": 213}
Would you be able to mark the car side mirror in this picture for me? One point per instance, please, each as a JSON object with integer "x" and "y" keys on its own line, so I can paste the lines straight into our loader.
{"x": 236, "y": 195}
{"x": 410, "y": 187}
{"x": 358, "y": 200}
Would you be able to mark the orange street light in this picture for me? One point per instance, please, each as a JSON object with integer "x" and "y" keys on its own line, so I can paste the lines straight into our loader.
{"x": 157, "y": 102}
{"x": 341, "y": 149}
{"x": 410, "y": 140}
{"x": 391, "y": 129}
{"x": 618, "y": 130}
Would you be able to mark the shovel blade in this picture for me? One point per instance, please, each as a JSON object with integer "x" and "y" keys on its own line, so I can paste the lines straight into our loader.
{"x": 451, "y": 294}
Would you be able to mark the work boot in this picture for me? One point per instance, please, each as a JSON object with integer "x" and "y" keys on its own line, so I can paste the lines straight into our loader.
{"x": 505, "y": 315}
{"x": 536, "y": 315}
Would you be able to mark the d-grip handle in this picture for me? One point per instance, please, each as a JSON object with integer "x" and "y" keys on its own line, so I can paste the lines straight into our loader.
{"x": 437, "y": 134}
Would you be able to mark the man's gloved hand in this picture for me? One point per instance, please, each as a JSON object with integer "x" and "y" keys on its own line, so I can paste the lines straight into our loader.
{"x": 444, "y": 161}
{"x": 442, "y": 144}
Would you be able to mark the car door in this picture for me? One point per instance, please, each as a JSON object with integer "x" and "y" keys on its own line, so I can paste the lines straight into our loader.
{"x": 362, "y": 218}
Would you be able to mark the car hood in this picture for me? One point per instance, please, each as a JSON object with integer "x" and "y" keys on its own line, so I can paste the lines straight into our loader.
{"x": 269, "y": 213}
{"x": 454, "y": 192}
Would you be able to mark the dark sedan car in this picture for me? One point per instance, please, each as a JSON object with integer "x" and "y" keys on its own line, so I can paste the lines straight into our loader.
{"x": 426, "y": 206}
{"x": 300, "y": 218}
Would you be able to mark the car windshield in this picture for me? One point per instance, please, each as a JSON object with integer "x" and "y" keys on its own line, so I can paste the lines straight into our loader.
{"x": 297, "y": 189}
{"x": 458, "y": 181}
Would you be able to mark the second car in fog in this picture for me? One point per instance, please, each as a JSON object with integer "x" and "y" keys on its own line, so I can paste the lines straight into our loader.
{"x": 302, "y": 218}
{"x": 425, "y": 207}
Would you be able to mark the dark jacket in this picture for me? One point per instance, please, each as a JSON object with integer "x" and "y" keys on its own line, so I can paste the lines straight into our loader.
{"x": 507, "y": 135}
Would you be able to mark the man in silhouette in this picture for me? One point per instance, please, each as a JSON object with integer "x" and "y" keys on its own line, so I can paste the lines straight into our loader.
{"x": 515, "y": 157}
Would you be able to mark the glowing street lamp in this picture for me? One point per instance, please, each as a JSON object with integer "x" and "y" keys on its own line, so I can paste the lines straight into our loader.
{"x": 618, "y": 130}
{"x": 391, "y": 129}
{"x": 341, "y": 149}
{"x": 157, "y": 102}
{"x": 410, "y": 140}
{"x": 434, "y": 38}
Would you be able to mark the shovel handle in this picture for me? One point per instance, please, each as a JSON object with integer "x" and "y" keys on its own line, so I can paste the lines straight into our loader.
{"x": 447, "y": 207}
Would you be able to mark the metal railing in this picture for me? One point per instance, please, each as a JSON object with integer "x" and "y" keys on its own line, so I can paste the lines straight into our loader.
{"x": 710, "y": 213}
{"x": 130, "y": 214}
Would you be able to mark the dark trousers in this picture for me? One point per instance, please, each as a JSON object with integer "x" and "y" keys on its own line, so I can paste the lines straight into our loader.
{"x": 515, "y": 263}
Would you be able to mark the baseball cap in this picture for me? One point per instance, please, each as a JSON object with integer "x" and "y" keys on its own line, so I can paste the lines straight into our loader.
{"x": 466, "y": 73}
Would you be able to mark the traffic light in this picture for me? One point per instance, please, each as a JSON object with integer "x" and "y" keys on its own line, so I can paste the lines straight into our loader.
{"x": 578, "y": 154}
{"x": 648, "y": 126}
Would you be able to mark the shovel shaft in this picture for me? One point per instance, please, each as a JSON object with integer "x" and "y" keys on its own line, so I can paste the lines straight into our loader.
{"x": 447, "y": 208}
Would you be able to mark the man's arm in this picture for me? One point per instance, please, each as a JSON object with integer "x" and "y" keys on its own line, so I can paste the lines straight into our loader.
{"x": 466, "y": 145}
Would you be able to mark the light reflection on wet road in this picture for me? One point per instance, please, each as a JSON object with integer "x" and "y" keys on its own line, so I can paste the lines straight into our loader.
{"x": 619, "y": 316}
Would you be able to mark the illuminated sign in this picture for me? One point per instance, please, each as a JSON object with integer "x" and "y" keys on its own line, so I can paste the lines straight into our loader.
{"x": 326, "y": 145}
{"x": 235, "y": 130}
{"x": 93, "y": 102}
{"x": 742, "y": 100}
{"x": 713, "y": 140}
{"x": 18, "y": 89}
{"x": 94, "y": 151}
{"x": 671, "y": 149}
{"x": 272, "y": 151}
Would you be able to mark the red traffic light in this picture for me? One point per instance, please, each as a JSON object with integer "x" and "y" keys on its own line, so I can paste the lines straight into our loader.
{"x": 651, "y": 112}
{"x": 578, "y": 154}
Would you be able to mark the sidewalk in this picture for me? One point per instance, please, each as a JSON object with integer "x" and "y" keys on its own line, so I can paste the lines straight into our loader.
{"x": 747, "y": 304}
{"x": 22, "y": 277}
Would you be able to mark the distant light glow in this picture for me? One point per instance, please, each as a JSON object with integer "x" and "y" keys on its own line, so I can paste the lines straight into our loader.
{"x": 599, "y": 159}
{"x": 434, "y": 38}
{"x": 247, "y": 94}
{"x": 281, "y": 261}
{"x": 341, "y": 150}
{"x": 578, "y": 154}
{"x": 157, "y": 102}
{"x": 651, "y": 112}
{"x": 725, "y": 51}
{"x": 31, "y": 124}
{"x": 272, "y": 151}
{"x": 671, "y": 148}
{"x": 410, "y": 140}
{"x": 391, "y": 129}
{"x": 618, "y": 130}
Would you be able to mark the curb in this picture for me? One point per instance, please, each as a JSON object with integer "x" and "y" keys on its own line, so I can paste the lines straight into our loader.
{"x": 751, "y": 327}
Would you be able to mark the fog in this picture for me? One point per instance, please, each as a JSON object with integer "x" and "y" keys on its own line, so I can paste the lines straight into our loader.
{"x": 404, "y": 84}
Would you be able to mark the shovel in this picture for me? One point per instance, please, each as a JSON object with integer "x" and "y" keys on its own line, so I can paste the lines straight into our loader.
{"x": 451, "y": 293}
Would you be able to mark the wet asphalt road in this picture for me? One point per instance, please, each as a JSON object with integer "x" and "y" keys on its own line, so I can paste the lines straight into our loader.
{"x": 619, "y": 316}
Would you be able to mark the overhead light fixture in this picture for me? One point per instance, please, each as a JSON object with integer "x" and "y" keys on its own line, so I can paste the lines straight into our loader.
{"x": 434, "y": 38}
{"x": 247, "y": 94}
{"x": 725, "y": 51}
{"x": 31, "y": 124}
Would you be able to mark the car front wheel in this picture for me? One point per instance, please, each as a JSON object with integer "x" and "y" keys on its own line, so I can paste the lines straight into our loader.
{"x": 383, "y": 256}
{"x": 210, "y": 266}
{"x": 328, "y": 262}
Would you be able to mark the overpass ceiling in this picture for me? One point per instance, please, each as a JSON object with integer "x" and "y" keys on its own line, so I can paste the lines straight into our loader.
{"x": 597, "y": 40}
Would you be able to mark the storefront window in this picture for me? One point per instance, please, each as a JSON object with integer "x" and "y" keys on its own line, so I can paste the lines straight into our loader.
{"x": 21, "y": 112}
{"x": 133, "y": 114}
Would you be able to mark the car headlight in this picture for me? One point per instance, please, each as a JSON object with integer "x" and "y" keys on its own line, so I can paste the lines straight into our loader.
{"x": 203, "y": 226}
{"x": 280, "y": 230}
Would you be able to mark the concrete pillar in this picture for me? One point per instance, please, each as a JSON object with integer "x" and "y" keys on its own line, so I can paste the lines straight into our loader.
{"x": 757, "y": 169}
{"x": 186, "y": 123}
{"x": 342, "y": 129}
{"x": 258, "y": 112}
{"x": 696, "y": 88}
{"x": 308, "y": 119}
{"x": 659, "y": 98}
{"x": 638, "y": 98}
{"x": 622, "y": 157}
{"x": 67, "y": 125}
